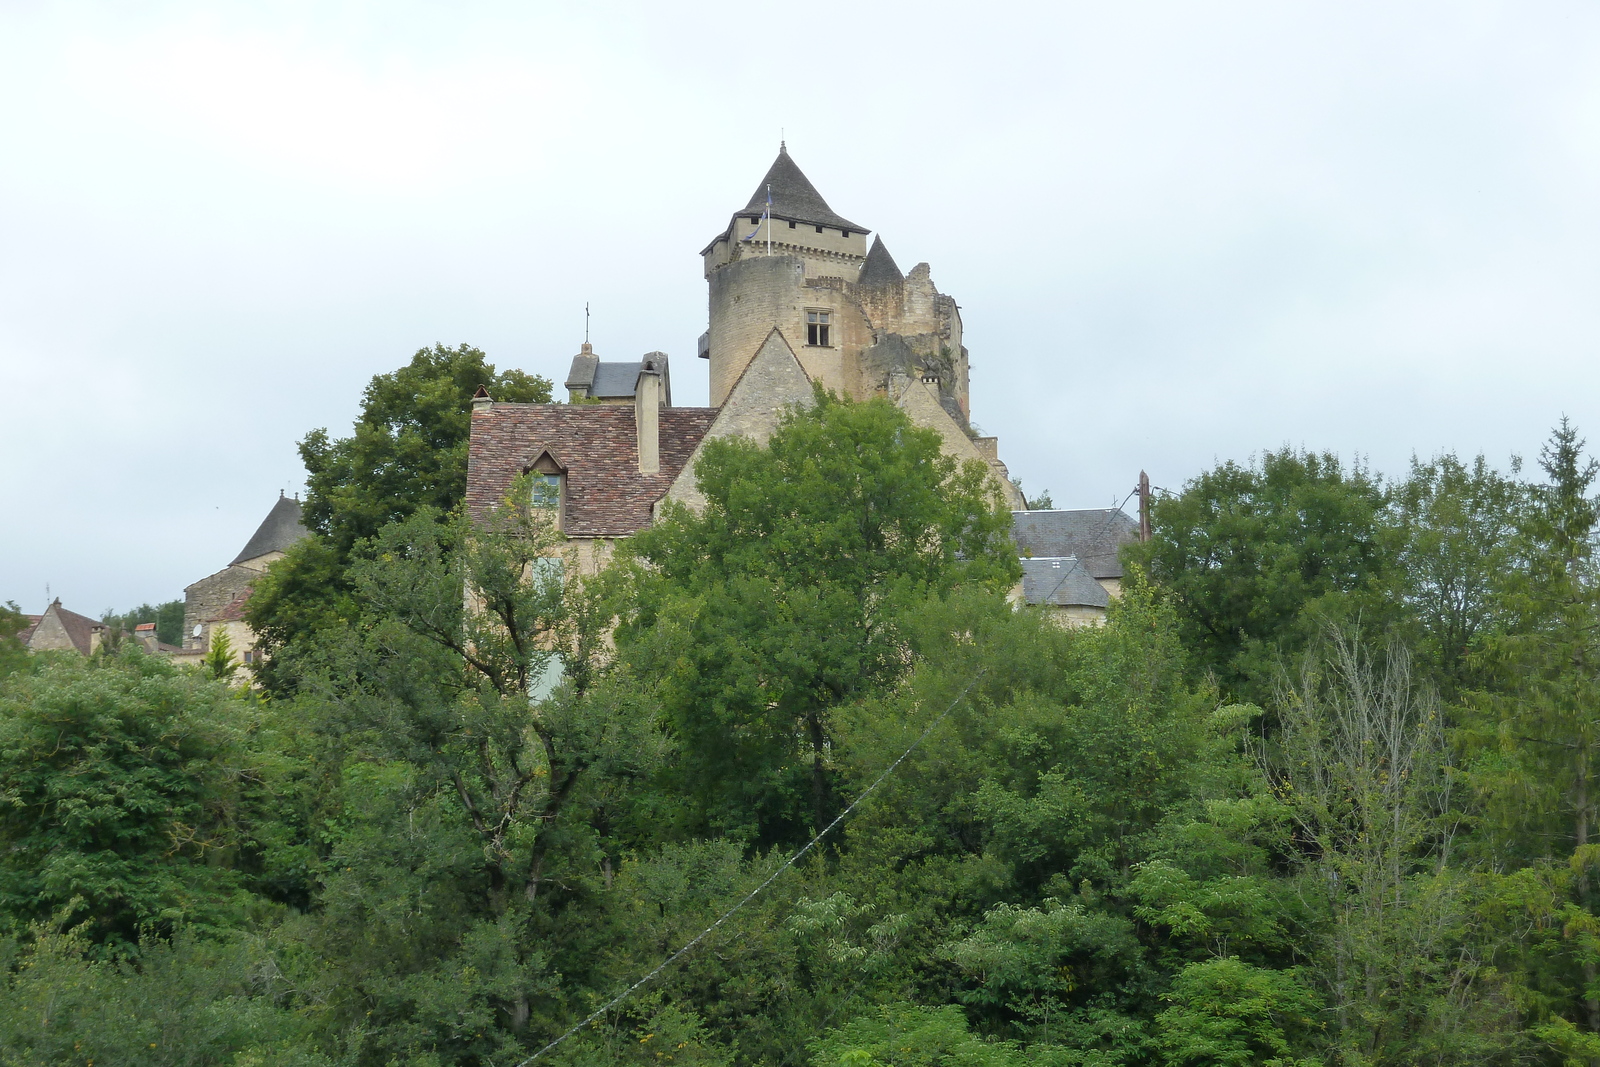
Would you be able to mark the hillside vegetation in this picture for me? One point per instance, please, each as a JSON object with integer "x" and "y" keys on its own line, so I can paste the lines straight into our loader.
{"x": 1321, "y": 792}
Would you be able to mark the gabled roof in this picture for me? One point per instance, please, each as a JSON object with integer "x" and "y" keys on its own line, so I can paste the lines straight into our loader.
{"x": 879, "y": 268}
{"x": 1093, "y": 536}
{"x": 79, "y": 629}
{"x": 280, "y": 529}
{"x": 794, "y": 198}
{"x": 604, "y": 494}
{"x": 1061, "y": 582}
{"x": 30, "y": 623}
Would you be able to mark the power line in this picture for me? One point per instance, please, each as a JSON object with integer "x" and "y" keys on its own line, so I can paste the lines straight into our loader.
{"x": 748, "y": 897}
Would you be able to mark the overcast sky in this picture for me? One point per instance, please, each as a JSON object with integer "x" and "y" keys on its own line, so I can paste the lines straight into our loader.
{"x": 1178, "y": 232}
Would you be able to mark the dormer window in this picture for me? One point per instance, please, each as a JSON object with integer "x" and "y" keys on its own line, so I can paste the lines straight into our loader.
{"x": 544, "y": 490}
{"x": 817, "y": 323}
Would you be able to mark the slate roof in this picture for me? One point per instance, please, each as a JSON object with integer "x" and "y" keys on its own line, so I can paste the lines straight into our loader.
{"x": 280, "y": 529}
{"x": 879, "y": 268}
{"x": 596, "y": 444}
{"x": 794, "y": 198}
{"x": 1062, "y": 582}
{"x": 1093, "y": 536}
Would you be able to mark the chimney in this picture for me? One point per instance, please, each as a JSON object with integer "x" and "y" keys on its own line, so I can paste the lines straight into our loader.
{"x": 481, "y": 399}
{"x": 647, "y": 416}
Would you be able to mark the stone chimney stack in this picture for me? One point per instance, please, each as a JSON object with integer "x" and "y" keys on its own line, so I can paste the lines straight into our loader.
{"x": 647, "y": 415}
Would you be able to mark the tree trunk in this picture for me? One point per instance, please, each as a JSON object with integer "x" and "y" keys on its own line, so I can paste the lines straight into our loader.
{"x": 819, "y": 779}
{"x": 1581, "y": 834}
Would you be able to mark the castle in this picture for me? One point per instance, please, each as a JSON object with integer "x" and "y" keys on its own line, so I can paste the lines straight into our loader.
{"x": 797, "y": 297}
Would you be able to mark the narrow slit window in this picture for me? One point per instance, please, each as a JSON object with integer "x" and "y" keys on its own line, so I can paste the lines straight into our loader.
{"x": 817, "y": 329}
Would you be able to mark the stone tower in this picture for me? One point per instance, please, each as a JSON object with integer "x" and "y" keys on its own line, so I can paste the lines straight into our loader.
{"x": 855, "y": 321}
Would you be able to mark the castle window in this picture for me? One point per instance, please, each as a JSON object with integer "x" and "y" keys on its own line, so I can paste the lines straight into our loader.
{"x": 791, "y": 225}
{"x": 817, "y": 329}
{"x": 819, "y": 229}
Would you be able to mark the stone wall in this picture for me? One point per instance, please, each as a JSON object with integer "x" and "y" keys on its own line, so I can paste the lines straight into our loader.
{"x": 205, "y": 599}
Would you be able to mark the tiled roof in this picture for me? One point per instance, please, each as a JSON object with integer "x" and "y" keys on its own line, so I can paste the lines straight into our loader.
{"x": 280, "y": 529}
{"x": 28, "y": 627}
{"x": 794, "y": 198}
{"x": 233, "y": 610}
{"x": 1092, "y": 535}
{"x": 79, "y": 628}
{"x": 1062, "y": 582}
{"x": 597, "y": 445}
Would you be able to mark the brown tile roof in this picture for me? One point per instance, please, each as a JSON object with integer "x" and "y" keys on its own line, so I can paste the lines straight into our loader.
{"x": 80, "y": 628}
{"x": 233, "y": 611}
{"x": 596, "y": 444}
{"x": 144, "y": 627}
{"x": 28, "y": 627}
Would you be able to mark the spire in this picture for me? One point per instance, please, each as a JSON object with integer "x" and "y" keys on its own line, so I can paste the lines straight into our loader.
{"x": 794, "y": 198}
{"x": 280, "y": 529}
{"x": 879, "y": 268}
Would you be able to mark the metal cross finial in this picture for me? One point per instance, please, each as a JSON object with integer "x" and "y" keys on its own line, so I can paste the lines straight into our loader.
{"x": 586, "y": 322}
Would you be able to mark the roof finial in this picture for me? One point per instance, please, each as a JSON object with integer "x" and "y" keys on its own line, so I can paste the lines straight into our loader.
{"x": 783, "y": 146}
{"x": 586, "y": 322}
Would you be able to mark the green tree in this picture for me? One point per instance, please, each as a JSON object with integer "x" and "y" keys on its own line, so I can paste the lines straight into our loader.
{"x": 219, "y": 661}
{"x": 121, "y": 797}
{"x": 408, "y": 452}
{"x": 1536, "y": 741}
{"x": 13, "y": 655}
{"x": 1458, "y": 529}
{"x": 1244, "y": 551}
{"x": 470, "y": 789}
{"x": 789, "y": 594}
{"x": 1229, "y": 1014}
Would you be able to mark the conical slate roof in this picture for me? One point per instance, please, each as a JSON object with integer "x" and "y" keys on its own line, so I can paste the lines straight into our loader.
{"x": 880, "y": 267}
{"x": 280, "y": 529}
{"x": 794, "y": 198}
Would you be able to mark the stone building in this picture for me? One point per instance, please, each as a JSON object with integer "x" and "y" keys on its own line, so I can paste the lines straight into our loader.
{"x": 216, "y": 602}
{"x": 1070, "y": 562}
{"x": 796, "y": 297}
{"x": 60, "y": 630}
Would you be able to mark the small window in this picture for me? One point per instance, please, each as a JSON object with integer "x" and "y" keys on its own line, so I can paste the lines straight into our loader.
{"x": 791, "y": 225}
{"x": 544, "y": 490}
{"x": 819, "y": 229}
{"x": 844, "y": 233}
{"x": 817, "y": 329}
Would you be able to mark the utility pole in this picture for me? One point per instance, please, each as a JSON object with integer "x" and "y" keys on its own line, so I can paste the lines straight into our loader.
{"x": 1144, "y": 506}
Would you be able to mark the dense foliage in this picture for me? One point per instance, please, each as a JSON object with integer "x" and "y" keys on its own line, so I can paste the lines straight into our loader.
{"x": 408, "y": 453}
{"x": 1320, "y": 792}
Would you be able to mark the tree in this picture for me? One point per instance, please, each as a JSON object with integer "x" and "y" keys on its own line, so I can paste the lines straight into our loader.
{"x": 13, "y": 654}
{"x": 121, "y": 797}
{"x": 1537, "y": 742}
{"x": 219, "y": 661}
{"x": 790, "y": 594}
{"x": 1244, "y": 551}
{"x": 470, "y": 789}
{"x": 1362, "y": 765}
{"x": 408, "y": 452}
{"x": 1458, "y": 534}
